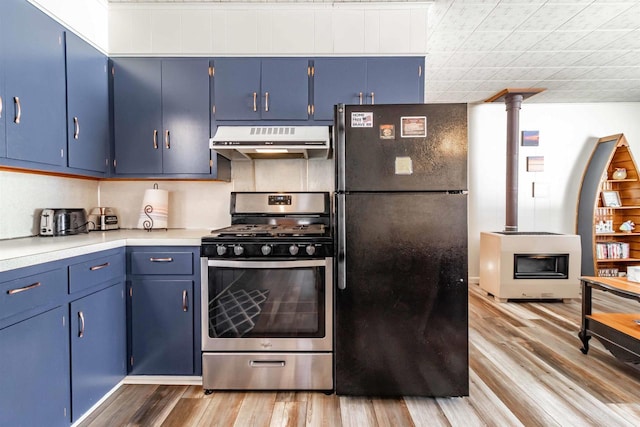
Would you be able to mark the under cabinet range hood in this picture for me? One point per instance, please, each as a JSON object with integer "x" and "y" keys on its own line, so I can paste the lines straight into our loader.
{"x": 271, "y": 142}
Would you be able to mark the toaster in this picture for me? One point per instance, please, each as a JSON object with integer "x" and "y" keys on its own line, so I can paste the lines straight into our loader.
{"x": 62, "y": 222}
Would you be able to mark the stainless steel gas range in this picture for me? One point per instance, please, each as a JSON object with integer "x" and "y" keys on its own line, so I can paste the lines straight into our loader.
{"x": 267, "y": 295}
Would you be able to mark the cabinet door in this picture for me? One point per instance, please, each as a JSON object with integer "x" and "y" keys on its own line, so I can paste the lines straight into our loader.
{"x": 285, "y": 89}
{"x": 35, "y": 84}
{"x": 337, "y": 81}
{"x": 185, "y": 116}
{"x": 87, "y": 106}
{"x": 98, "y": 346}
{"x": 3, "y": 98}
{"x": 394, "y": 80}
{"x": 236, "y": 87}
{"x": 162, "y": 327}
{"x": 35, "y": 363}
{"x": 137, "y": 101}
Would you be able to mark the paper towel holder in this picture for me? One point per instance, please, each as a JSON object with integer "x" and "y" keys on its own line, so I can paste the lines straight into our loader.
{"x": 147, "y": 224}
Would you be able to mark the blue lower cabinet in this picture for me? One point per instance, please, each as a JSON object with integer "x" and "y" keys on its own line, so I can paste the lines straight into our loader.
{"x": 162, "y": 327}
{"x": 98, "y": 346}
{"x": 34, "y": 361}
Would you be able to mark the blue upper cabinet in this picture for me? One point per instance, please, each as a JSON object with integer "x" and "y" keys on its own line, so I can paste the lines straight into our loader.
{"x": 386, "y": 80}
{"x": 185, "y": 116}
{"x": 87, "y": 106}
{"x": 261, "y": 89}
{"x": 161, "y": 116}
{"x": 337, "y": 81}
{"x": 236, "y": 88}
{"x": 137, "y": 115}
{"x": 285, "y": 89}
{"x": 34, "y": 95}
{"x": 395, "y": 81}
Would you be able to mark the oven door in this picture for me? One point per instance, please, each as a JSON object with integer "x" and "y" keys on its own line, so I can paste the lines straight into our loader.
{"x": 275, "y": 305}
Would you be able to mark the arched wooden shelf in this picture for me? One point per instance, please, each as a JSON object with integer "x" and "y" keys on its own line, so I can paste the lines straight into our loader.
{"x": 610, "y": 153}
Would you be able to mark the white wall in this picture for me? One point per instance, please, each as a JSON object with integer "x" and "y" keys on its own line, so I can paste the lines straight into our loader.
{"x": 267, "y": 29}
{"x": 24, "y": 195}
{"x": 568, "y": 133}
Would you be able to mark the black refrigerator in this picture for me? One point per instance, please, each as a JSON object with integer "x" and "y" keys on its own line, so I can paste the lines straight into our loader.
{"x": 401, "y": 322}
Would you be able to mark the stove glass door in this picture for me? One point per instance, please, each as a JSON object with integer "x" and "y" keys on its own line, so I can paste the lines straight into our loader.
{"x": 273, "y": 305}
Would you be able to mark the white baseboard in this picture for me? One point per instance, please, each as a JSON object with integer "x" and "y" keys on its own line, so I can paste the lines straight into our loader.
{"x": 163, "y": 379}
{"x": 98, "y": 403}
{"x": 474, "y": 280}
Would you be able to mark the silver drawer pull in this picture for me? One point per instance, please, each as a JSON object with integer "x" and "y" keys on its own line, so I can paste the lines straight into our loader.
{"x": 16, "y": 101}
{"x": 80, "y": 324}
{"x": 161, "y": 259}
{"x": 185, "y": 301}
{"x": 267, "y": 363}
{"x": 99, "y": 267}
{"x": 26, "y": 288}
{"x": 76, "y": 128}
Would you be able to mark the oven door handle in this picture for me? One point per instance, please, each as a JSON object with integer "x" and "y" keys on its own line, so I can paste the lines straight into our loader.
{"x": 267, "y": 264}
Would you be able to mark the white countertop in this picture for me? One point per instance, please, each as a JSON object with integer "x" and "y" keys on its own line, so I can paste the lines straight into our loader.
{"x": 23, "y": 252}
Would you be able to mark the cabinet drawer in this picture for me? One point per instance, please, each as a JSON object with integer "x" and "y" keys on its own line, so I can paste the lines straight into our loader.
{"x": 32, "y": 291}
{"x": 162, "y": 262}
{"x": 95, "y": 271}
{"x": 267, "y": 371}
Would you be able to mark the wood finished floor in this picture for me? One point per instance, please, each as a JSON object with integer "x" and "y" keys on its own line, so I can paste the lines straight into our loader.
{"x": 526, "y": 369}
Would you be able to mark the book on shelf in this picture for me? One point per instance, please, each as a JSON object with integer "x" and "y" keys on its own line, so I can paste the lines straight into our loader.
{"x": 612, "y": 250}
{"x": 607, "y": 272}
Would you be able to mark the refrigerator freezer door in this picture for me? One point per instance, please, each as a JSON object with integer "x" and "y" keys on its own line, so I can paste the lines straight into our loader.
{"x": 383, "y": 147}
{"x": 401, "y": 321}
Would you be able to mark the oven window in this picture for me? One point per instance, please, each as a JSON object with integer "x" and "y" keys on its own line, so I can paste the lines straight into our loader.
{"x": 266, "y": 302}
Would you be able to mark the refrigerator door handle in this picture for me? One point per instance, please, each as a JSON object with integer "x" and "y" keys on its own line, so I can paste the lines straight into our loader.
{"x": 342, "y": 244}
{"x": 340, "y": 146}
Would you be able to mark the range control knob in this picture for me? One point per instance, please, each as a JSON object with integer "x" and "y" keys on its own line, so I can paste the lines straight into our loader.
{"x": 221, "y": 250}
{"x": 266, "y": 250}
{"x": 310, "y": 250}
{"x": 238, "y": 250}
{"x": 293, "y": 250}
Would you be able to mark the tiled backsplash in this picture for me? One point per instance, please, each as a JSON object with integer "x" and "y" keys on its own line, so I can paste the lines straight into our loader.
{"x": 205, "y": 204}
{"x": 192, "y": 204}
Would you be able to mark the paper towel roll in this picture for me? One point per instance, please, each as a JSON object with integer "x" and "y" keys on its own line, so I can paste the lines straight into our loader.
{"x": 159, "y": 202}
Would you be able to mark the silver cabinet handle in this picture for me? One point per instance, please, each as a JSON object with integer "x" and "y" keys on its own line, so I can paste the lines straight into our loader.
{"x": 360, "y": 97}
{"x": 76, "y": 128}
{"x": 0, "y": 107}
{"x": 255, "y": 101}
{"x": 167, "y": 139}
{"x": 161, "y": 259}
{"x": 267, "y": 363}
{"x": 373, "y": 98}
{"x": 99, "y": 267}
{"x": 155, "y": 139}
{"x": 16, "y": 101}
{"x": 81, "y": 324}
{"x": 25, "y": 288}
{"x": 185, "y": 301}
{"x": 266, "y": 101}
